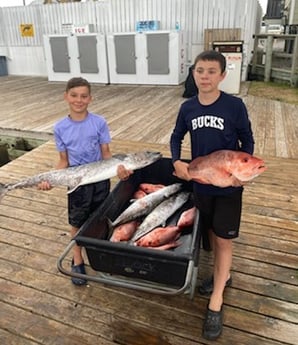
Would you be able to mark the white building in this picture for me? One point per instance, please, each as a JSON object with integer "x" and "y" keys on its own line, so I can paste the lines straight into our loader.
{"x": 22, "y": 29}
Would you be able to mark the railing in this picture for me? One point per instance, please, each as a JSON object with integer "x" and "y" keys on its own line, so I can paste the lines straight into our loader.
{"x": 275, "y": 58}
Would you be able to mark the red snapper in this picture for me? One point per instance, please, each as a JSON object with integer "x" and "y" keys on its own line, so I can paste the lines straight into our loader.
{"x": 225, "y": 168}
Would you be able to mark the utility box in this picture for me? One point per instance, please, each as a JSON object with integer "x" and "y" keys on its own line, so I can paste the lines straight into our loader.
{"x": 72, "y": 55}
{"x": 3, "y": 66}
{"x": 233, "y": 52}
{"x": 149, "y": 57}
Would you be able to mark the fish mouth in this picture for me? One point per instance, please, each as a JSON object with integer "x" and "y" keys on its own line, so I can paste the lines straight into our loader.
{"x": 152, "y": 152}
{"x": 155, "y": 154}
{"x": 262, "y": 167}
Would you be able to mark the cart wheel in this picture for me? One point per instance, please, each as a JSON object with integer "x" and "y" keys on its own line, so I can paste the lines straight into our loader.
{"x": 193, "y": 283}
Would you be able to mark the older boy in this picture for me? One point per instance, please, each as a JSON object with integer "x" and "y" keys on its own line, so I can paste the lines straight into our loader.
{"x": 215, "y": 121}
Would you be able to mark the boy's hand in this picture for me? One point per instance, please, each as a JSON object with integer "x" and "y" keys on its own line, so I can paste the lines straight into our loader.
{"x": 181, "y": 170}
{"x": 44, "y": 185}
{"x": 123, "y": 173}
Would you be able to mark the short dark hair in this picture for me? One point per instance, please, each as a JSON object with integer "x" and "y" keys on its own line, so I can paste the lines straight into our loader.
{"x": 77, "y": 81}
{"x": 212, "y": 55}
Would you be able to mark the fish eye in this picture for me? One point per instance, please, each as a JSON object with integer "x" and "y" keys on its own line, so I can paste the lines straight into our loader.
{"x": 245, "y": 160}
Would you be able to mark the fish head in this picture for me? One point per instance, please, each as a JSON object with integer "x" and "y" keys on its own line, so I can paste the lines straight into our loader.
{"x": 245, "y": 167}
{"x": 141, "y": 159}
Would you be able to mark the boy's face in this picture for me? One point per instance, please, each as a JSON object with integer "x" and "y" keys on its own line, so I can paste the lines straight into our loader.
{"x": 207, "y": 75}
{"x": 78, "y": 99}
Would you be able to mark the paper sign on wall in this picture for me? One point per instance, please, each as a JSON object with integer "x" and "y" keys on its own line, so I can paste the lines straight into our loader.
{"x": 27, "y": 30}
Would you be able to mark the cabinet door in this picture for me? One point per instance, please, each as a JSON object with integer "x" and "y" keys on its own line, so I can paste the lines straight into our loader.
{"x": 158, "y": 53}
{"x": 88, "y": 60}
{"x": 60, "y": 55}
{"x": 125, "y": 54}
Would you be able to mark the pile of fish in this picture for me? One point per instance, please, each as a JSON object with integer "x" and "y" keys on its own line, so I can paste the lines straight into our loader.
{"x": 143, "y": 223}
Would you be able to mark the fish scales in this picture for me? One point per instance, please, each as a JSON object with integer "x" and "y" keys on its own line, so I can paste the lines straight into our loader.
{"x": 160, "y": 214}
{"x": 160, "y": 236}
{"x": 143, "y": 206}
{"x": 225, "y": 168}
{"x": 73, "y": 177}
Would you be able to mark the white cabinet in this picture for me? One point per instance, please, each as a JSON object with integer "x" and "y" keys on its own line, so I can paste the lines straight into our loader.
{"x": 82, "y": 55}
{"x": 152, "y": 57}
{"x": 232, "y": 51}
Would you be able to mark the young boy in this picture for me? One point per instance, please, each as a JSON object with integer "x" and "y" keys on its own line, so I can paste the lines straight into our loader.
{"x": 215, "y": 121}
{"x": 82, "y": 137}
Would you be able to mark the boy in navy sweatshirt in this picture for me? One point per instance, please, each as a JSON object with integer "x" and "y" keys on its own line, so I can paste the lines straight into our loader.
{"x": 215, "y": 121}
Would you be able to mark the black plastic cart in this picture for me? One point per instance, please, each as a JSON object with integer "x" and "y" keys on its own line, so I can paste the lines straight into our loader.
{"x": 121, "y": 264}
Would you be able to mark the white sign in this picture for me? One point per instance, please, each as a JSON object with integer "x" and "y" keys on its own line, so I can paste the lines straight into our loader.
{"x": 82, "y": 29}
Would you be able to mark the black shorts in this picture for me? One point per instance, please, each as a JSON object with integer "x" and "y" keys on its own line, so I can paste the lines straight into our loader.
{"x": 221, "y": 213}
{"x": 84, "y": 200}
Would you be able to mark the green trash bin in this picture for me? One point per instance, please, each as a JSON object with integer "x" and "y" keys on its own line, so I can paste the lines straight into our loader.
{"x": 3, "y": 66}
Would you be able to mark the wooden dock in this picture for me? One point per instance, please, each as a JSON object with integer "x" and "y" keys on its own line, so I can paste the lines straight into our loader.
{"x": 39, "y": 305}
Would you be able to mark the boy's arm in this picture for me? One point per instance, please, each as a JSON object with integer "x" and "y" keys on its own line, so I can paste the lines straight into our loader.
{"x": 105, "y": 151}
{"x": 62, "y": 163}
{"x": 181, "y": 170}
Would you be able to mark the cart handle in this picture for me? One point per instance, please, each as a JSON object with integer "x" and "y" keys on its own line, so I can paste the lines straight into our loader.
{"x": 121, "y": 282}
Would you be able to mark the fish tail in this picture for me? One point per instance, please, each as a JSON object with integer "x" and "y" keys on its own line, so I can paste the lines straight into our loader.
{"x": 3, "y": 190}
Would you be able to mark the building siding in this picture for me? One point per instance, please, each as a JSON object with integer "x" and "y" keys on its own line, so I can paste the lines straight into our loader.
{"x": 193, "y": 16}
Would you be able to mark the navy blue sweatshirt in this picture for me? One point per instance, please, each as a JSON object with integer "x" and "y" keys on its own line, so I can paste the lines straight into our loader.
{"x": 222, "y": 125}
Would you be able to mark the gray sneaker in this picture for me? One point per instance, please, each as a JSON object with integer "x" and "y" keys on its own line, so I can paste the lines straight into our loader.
{"x": 212, "y": 327}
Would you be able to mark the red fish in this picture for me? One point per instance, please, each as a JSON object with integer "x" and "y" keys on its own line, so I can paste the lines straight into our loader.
{"x": 139, "y": 194}
{"x": 172, "y": 244}
{"x": 124, "y": 231}
{"x": 159, "y": 236}
{"x": 187, "y": 218}
{"x": 150, "y": 187}
{"x": 226, "y": 168}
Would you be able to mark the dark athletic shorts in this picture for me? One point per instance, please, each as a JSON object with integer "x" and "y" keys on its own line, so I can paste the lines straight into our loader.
{"x": 221, "y": 213}
{"x": 84, "y": 200}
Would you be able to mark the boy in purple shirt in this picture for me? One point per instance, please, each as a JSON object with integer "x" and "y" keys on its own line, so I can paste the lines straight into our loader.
{"x": 81, "y": 138}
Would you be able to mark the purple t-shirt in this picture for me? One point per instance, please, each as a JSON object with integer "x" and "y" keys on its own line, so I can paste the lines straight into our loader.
{"x": 82, "y": 139}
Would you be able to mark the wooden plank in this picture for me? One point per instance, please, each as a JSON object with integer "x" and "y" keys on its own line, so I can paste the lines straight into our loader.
{"x": 121, "y": 302}
{"x": 14, "y": 339}
{"x": 44, "y": 330}
{"x": 261, "y": 305}
{"x": 289, "y": 116}
{"x": 222, "y": 34}
{"x": 128, "y": 104}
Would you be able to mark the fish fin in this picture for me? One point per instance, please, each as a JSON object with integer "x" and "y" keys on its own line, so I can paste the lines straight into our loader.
{"x": 120, "y": 156}
{"x": 3, "y": 190}
{"x": 76, "y": 183}
{"x": 72, "y": 189}
{"x": 110, "y": 227}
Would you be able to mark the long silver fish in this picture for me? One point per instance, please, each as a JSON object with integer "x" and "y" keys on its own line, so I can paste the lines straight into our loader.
{"x": 160, "y": 214}
{"x": 143, "y": 206}
{"x": 73, "y": 177}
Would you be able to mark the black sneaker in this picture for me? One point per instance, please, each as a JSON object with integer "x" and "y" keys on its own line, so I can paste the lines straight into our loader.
{"x": 212, "y": 327}
{"x": 78, "y": 269}
{"x": 207, "y": 286}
